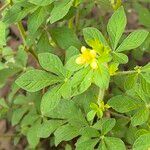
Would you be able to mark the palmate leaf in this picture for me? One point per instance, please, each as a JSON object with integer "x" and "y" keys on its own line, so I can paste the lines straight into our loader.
{"x": 52, "y": 63}
{"x": 124, "y": 104}
{"x": 79, "y": 85}
{"x": 64, "y": 6}
{"x": 37, "y": 18}
{"x": 105, "y": 125}
{"x": 18, "y": 114}
{"x": 112, "y": 143}
{"x": 134, "y": 40}
{"x": 87, "y": 144}
{"x": 50, "y": 100}
{"x": 71, "y": 112}
{"x": 48, "y": 127}
{"x": 35, "y": 80}
{"x": 142, "y": 143}
{"x": 16, "y": 13}
{"x": 32, "y": 137}
{"x": 140, "y": 117}
{"x": 65, "y": 133}
{"x": 71, "y": 64}
{"x": 143, "y": 14}
{"x": 93, "y": 37}
{"x": 65, "y": 37}
{"x": 101, "y": 77}
{"x": 2, "y": 34}
{"x": 116, "y": 26}
{"x": 120, "y": 58}
{"x": 41, "y": 2}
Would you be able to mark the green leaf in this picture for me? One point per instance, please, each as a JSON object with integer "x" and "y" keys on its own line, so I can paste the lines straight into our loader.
{"x": 89, "y": 132}
{"x": 134, "y": 40}
{"x": 105, "y": 125}
{"x": 116, "y": 26}
{"x": 145, "y": 83}
{"x": 52, "y": 63}
{"x": 93, "y": 37}
{"x": 18, "y": 114}
{"x": 71, "y": 64}
{"x": 123, "y": 103}
{"x": 140, "y": 117}
{"x": 3, "y": 103}
{"x": 36, "y": 19}
{"x": 64, "y": 6}
{"x": 143, "y": 14}
{"x": 146, "y": 68}
{"x": 120, "y": 58}
{"x": 87, "y": 144}
{"x": 142, "y": 143}
{"x": 130, "y": 81}
{"x": 65, "y": 37}
{"x": 91, "y": 115}
{"x": 101, "y": 77}
{"x": 29, "y": 118}
{"x": 41, "y": 2}
{"x": 66, "y": 90}
{"x": 50, "y": 100}
{"x": 2, "y": 34}
{"x": 17, "y": 12}
{"x": 113, "y": 143}
{"x": 65, "y": 133}
{"x": 32, "y": 137}
{"x": 21, "y": 57}
{"x": 35, "y": 80}
{"x": 43, "y": 44}
{"x": 48, "y": 127}
{"x": 70, "y": 52}
{"x": 71, "y": 112}
{"x": 79, "y": 85}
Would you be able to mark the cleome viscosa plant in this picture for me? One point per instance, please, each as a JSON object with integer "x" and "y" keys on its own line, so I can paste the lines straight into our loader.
{"x": 76, "y": 81}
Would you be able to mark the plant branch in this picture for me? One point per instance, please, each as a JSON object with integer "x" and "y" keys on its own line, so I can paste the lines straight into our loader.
{"x": 125, "y": 72}
{"x": 4, "y": 7}
{"x": 22, "y": 32}
{"x": 100, "y": 95}
{"x": 118, "y": 115}
{"x": 23, "y": 35}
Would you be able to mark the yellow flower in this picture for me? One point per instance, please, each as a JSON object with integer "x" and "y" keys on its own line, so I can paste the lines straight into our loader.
{"x": 87, "y": 57}
{"x": 103, "y": 106}
{"x": 113, "y": 67}
{"x": 99, "y": 109}
{"x": 116, "y": 4}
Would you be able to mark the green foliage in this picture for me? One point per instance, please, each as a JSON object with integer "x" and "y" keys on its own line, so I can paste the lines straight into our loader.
{"x": 116, "y": 26}
{"x": 75, "y": 79}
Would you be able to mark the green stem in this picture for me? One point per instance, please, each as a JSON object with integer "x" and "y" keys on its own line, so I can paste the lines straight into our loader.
{"x": 77, "y": 18}
{"x": 22, "y": 32}
{"x": 119, "y": 115}
{"x": 23, "y": 35}
{"x": 4, "y": 7}
{"x": 70, "y": 23}
{"x": 100, "y": 95}
{"x": 125, "y": 72}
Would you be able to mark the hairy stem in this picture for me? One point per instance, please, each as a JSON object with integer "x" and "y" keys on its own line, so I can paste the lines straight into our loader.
{"x": 119, "y": 115}
{"x": 125, "y": 72}
{"x": 100, "y": 95}
{"x": 4, "y": 7}
{"x": 22, "y": 32}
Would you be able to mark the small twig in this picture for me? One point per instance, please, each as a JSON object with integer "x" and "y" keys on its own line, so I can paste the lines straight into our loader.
{"x": 22, "y": 32}
{"x": 118, "y": 115}
{"x": 7, "y": 135}
{"x": 100, "y": 95}
{"x": 4, "y": 7}
{"x": 125, "y": 72}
